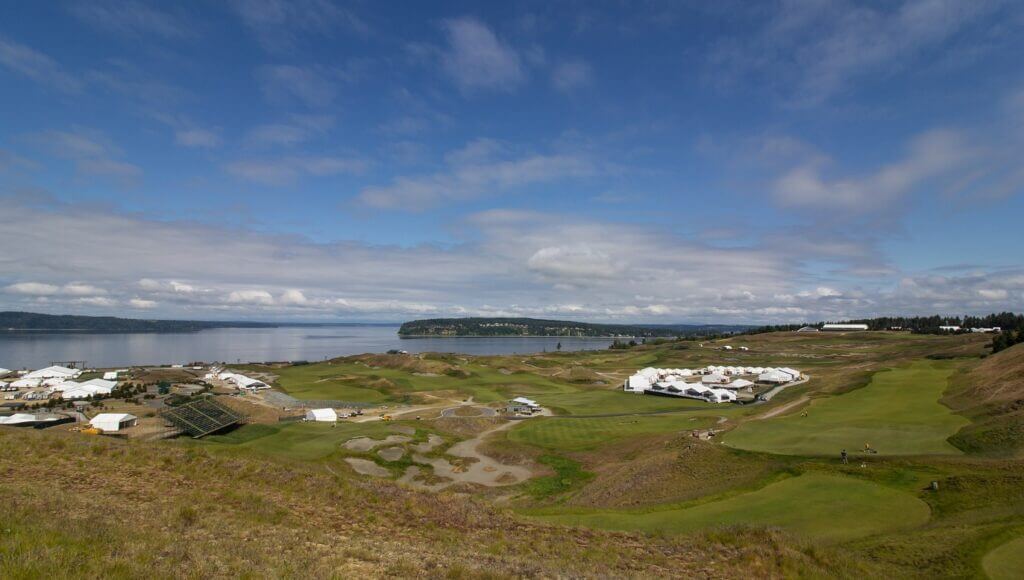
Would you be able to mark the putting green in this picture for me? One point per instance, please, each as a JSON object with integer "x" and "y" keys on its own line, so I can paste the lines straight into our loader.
{"x": 1006, "y": 561}
{"x": 898, "y": 413}
{"x": 825, "y": 507}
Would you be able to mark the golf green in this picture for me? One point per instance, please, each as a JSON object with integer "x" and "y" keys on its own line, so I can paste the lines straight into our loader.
{"x": 824, "y": 507}
{"x": 898, "y": 413}
{"x": 1006, "y": 561}
{"x": 572, "y": 434}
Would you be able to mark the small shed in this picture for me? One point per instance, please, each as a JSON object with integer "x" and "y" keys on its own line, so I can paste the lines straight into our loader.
{"x": 107, "y": 422}
{"x": 322, "y": 415}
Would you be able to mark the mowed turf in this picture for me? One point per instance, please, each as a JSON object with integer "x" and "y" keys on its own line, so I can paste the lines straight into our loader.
{"x": 300, "y": 440}
{"x": 566, "y": 434}
{"x": 823, "y": 507}
{"x": 898, "y": 413}
{"x": 1005, "y": 562}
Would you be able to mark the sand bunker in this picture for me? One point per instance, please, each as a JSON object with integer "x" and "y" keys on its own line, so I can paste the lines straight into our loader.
{"x": 428, "y": 445}
{"x": 391, "y": 453}
{"x": 367, "y": 467}
{"x": 367, "y": 444}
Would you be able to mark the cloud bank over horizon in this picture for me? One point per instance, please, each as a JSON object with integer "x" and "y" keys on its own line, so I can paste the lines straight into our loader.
{"x": 312, "y": 161}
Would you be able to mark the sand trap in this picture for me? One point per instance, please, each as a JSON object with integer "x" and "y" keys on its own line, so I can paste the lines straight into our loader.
{"x": 391, "y": 453}
{"x": 481, "y": 469}
{"x": 367, "y": 467}
{"x": 367, "y": 444}
{"x": 404, "y": 429}
{"x": 428, "y": 445}
{"x": 411, "y": 477}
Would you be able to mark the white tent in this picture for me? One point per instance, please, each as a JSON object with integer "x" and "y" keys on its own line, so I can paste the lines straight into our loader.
{"x": 773, "y": 376}
{"x": 54, "y": 372}
{"x": 101, "y": 384}
{"x": 113, "y": 421}
{"x": 525, "y": 401}
{"x": 791, "y": 372}
{"x": 714, "y": 379}
{"x": 4, "y": 372}
{"x": 26, "y": 383}
{"x": 740, "y": 384}
{"x": 721, "y": 396}
{"x": 110, "y": 376}
{"x": 18, "y": 418}
{"x": 323, "y": 415}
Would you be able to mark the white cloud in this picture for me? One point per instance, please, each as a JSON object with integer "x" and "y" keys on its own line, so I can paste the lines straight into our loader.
{"x": 91, "y": 152}
{"x": 44, "y": 289}
{"x": 476, "y": 59}
{"x": 135, "y": 19}
{"x": 37, "y": 66}
{"x": 474, "y": 172}
{"x": 288, "y": 170}
{"x": 142, "y": 303}
{"x": 196, "y": 137}
{"x": 280, "y": 25}
{"x": 260, "y": 297}
{"x": 293, "y": 297}
{"x": 570, "y": 75}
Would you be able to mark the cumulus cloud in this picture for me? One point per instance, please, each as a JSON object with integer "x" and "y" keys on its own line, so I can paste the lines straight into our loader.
{"x": 476, "y": 59}
{"x": 518, "y": 263}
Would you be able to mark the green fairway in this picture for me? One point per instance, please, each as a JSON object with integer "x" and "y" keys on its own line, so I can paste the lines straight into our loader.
{"x": 1005, "y": 562}
{"x": 586, "y": 433}
{"x": 898, "y": 413}
{"x": 603, "y": 401}
{"x": 300, "y": 440}
{"x": 826, "y": 507}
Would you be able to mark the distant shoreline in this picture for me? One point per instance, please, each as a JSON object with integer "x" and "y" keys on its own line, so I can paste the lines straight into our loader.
{"x": 511, "y": 336}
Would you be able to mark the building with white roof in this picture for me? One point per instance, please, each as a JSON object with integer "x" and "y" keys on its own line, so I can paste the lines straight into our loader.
{"x": 110, "y": 376}
{"x": 26, "y": 383}
{"x": 108, "y": 422}
{"x": 774, "y": 376}
{"x": 4, "y": 372}
{"x": 54, "y": 372}
{"x": 739, "y": 384}
{"x": 714, "y": 379}
{"x": 322, "y": 415}
{"x": 843, "y": 327}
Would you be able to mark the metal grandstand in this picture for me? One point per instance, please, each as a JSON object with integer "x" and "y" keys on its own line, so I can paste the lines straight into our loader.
{"x": 202, "y": 417}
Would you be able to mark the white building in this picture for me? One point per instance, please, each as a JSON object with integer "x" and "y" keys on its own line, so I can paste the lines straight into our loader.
{"x": 528, "y": 402}
{"x": 950, "y": 328}
{"x": 993, "y": 329}
{"x": 322, "y": 415}
{"x": 844, "y": 327}
{"x": 726, "y": 347}
{"x": 714, "y": 379}
{"x": 54, "y": 372}
{"x": 110, "y": 376}
{"x": 26, "y": 383}
{"x": 739, "y": 384}
{"x": 108, "y": 422}
{"x": 774, "y": 376}
{"x": 4, "y": 372}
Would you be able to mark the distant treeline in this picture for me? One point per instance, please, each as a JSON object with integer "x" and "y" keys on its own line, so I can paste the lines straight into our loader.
{"x": 69, "y": 323}
{"x": 1011, "y": 324}
{"x": 540, "y": 327}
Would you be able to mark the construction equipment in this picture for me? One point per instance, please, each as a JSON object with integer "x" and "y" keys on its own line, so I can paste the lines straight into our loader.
{"x": 91, "y": 431}
{"x": 385, "y": 417}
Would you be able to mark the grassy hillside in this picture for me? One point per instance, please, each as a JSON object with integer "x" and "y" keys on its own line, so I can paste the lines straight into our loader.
{"x": 992, "y": 395}
{"x": 157, "y": 510}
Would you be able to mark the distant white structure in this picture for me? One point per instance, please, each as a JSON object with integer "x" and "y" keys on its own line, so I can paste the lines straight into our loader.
{"x": 843, "y": 327}
{"x": 4, "y": 372}
{"x": 243, "y": 382}
{"x": 54, "y": 372}
{"x": 71, "y": 390}
{"x": 322, "y": 415}
{"x": 110, "y": 376}
{"x": 993, "y": 329}
{"x": 714, "y": 379}
{"x": 108, "y": 422}
{"x": 727, "y": 347}
{"x": 808, "y": 329}
{"x": 739, "y": 384}
{"x": 744, "y": 348}
{"x": 527, "y": 402}
{"x": 774, "y": 376}
{"x": 26, "y": 383}
{"x": 950, "y": 328}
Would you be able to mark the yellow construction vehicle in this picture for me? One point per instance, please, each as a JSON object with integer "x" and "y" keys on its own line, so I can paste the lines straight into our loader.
{"x": 385, "y": 417}
{"x": 91, "y": 431}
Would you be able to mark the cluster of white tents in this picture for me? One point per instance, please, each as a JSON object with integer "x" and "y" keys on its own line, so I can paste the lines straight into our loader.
{"x": 239, "y": 380}
{"x": 47, "y": 377}
{"x": 72, "y": 390}
{"x": 717, "y": 383}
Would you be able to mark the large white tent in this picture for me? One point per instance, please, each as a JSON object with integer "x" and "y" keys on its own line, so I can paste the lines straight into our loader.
{"x": 54, "y": 372}
{"x": 322, "y": 415}
{"x": 113, "y": 421}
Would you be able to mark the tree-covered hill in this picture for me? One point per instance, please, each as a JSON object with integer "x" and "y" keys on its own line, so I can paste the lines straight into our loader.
{"x": 540, "y": 327}
{"x": 32, "y": 321}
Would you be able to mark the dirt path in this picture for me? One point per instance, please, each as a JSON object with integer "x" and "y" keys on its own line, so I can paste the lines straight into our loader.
{"x": 782, "y": 409}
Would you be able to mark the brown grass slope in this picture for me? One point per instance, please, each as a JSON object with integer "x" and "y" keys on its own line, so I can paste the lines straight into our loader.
{"x": 93, "y": 507}
{"x": 991, "y": 393}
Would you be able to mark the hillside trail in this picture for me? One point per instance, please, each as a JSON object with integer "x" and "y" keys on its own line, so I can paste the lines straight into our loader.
{"x": 482, "y": 470}
{"x": 782, "y": 409}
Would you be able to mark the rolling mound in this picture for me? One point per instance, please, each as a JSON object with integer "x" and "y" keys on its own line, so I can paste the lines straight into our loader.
{"x": 992, "y": 395}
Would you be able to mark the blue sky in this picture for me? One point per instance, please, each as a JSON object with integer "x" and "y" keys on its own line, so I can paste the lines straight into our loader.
{"x": 620, "y": 161}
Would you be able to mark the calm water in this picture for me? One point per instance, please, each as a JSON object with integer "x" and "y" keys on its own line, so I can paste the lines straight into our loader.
{"x": 33, "y": 350}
